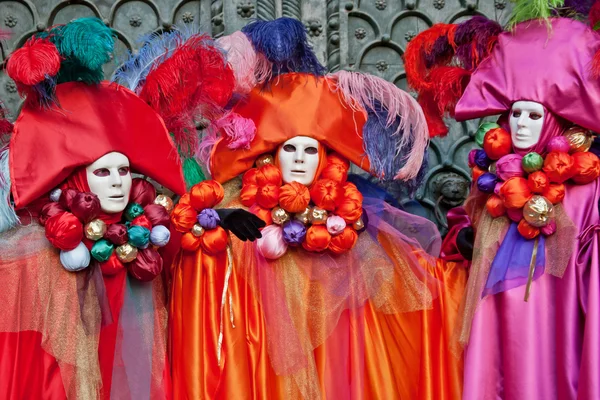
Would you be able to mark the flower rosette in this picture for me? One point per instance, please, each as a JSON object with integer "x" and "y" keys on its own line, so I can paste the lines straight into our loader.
{"x": 526, "y": 188}
{"x": 74, "y": 224}
{"x": 327, "y": 216}
{"x": 197, "y": 219}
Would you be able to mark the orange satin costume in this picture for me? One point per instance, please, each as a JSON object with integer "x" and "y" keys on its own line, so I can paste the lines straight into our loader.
{"x": 389, "y": 344}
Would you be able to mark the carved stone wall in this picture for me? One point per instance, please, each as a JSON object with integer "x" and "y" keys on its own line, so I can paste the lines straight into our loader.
{"x": 366, "y": 35}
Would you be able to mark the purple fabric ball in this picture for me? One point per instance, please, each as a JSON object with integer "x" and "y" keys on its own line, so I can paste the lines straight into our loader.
{"x": 482, "y": 160}
{"x": 487, "y": 182}
{"x": 208, "y": 218}
{"x": 294, "y": 232}
{"x": 472, "y": 154}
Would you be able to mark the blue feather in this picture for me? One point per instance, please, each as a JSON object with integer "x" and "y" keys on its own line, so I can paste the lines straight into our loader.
{"x": 284, "y": 43}
{"x": 8, "y": 216}
{"x": 156, "y": 49}
{"x": 380, "y": 142}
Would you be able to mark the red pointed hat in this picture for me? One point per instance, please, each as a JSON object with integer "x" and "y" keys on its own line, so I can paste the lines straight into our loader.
{"x": 48, "y": 144}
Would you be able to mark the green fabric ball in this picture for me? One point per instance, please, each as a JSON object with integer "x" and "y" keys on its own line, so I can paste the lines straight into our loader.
{"x": 532, "y": 162}
{"x": 138, "y": 236}
{"x": 133, "y": 210}
{"x": 483, "y": 129}
{"x": 102, "y": 250}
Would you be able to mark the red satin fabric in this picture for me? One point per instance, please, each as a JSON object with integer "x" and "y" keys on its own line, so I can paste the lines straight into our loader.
{"x": 26, "y": 370}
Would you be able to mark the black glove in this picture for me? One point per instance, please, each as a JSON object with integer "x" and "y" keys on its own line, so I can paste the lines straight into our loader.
{"x": 241, "y": 223}
{"x": 464, "y": 242}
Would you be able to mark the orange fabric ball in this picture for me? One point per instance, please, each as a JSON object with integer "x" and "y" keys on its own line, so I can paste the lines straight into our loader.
{"x": 558, "y": 167}
{"x": 335, "y": 172}
{"x": 538, "y": 182}
{"x": 183, "y": 217}
{"x": 495, "y": 206}
{"x": 351, "y": 192}
{"x": 351, "y": 206}
{"x": 112, "y": 266}
{"x": 344, "y": 241}
{"x": 555, "y": 193}
{"x": 586, "y": 167}
{"x": 268, "y": 174}
{"x": 190, "y": 242}
{"x": 206, "y": 194}
{"x": 185, "y": 199}
{"x": 476, "y": 172}
{"x": 327, "y": 194}
{"x": 515, "y": 192}
{"x": 214, "y": 241}
{"x": 527, "y": 231}
{"x": 294, "y": 197}
{"x": 249, "y": 177}
{"x": 267, "y": 196}
{"x": 497, "y": 143}
{"x": 248, "y": 195}
{"x": 262, "y": 213}
{"x": 317, "y": 238}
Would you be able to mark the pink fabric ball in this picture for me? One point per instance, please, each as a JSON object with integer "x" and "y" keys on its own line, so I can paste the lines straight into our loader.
{"x": 335, "y": 225}
{"x": 558, "y": 143}
{"x": 509, "y": 166}
{"x": 271, "y": 245}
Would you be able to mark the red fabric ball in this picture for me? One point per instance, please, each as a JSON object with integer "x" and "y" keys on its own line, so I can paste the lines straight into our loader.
{"x": 190, "y": 242}
{"x": 64, "y": 231}
{"x": 267, "y": 196}
{"x": 248, "y": 194}
{"x": 586, "y": 167}
{"x": 183, "y": 217}
{"x": 66, "y": 198}
{"x": 142, "y": 192}
{"x": 555, "y": 193}
{"x": 112, "y": 266}
{"x": 538, "y": 182}
{"x": 50, "y": 210}
{"x": 558, "y": 167}
{"x": 143, "y": 221}
{"x": 327, "y": 194}
{"x": 116, "y": 234}
{"x": 157, "y": 215}
{"x": 249, "y": 177}
{"x": 495, "y": 206}
{"x": 269, "y": 174}
{"x": 262, "y": 213}
{"x": 527, "y": 231}
{"x": 317, "y": 238}
{"x": 214, "y": 241}
{"x": 497, "y": 143}
{"x": 85, "y": 206}
{"x": 206, "y": 194}
{"x": 147, "y": 265}
{"x": 344, "y": 241}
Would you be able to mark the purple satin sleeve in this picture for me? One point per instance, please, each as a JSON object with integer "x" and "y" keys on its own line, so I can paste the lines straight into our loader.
{"x": 457, "y": 220}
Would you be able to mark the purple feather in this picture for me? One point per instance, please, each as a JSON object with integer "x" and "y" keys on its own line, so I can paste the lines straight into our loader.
{"x": 476, "y": 31}
{"x": 440, "y": 53}
{"x": 580, "y": 6}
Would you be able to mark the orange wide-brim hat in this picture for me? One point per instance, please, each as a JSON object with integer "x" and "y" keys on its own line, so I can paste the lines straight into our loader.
{"x": 293, "y": 104}
{"x": 87, "y": 122}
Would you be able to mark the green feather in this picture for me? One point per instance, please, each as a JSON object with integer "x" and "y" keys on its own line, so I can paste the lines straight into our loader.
{"x": 526, "y": 10}
{"x": 72, "y": 71}
{"x": 192, "y": 173}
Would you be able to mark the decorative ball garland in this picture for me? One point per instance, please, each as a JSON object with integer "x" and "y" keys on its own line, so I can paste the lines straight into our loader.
{"x": 328, "y": 216}
{"x": 527, "y": 188}
{"x": 195, "y": 217}
{"x": 72, "y": 223}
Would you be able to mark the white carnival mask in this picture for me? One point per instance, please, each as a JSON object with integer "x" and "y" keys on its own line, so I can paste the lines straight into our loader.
{"x": 526, "y": 121}
{"x": 109, "y": 178}
{"x": 299, "y": 160}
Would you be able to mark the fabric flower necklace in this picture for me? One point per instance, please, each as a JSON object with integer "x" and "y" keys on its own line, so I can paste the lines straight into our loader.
{"x": 527, "y": 188}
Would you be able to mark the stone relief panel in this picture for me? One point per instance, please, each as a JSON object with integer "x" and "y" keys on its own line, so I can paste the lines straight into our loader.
{"x": 365, "y": 35}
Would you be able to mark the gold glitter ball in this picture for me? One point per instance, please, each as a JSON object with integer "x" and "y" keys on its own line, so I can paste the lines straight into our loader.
{"x": 317, "y": 216}
{"x": 580, "y": 139}
{"x": 197, "y": 230}
{"x": 538, "y": 211}
{"x": 95, "y": 230}
{"x": 126, "y": 253}
{"x": 303, "y": 216}
{"x": 358, "y": 225}
{"x": 279, "y": 216}
{"x": 264, "y": 160}
{"x": 164, "y": 201}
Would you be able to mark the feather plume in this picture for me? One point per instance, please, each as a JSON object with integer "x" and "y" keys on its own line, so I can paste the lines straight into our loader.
{"x": 416, "y": 60}
{"x": 86, "y": 41}
{"x": 284, "y": 43}
{"x": 594, "y": 15}
{"x": 250, "y": 68}
{"x": 582, "y": 7}
{"x": 474, "y": 40}
{"x": 157, "y": 47}
{"x": 209, "y": 140}
{"x": 239, "y": 131}
{"x": 194, "y": 81}
{"x": 450, "y": 84}
{"x": 404, "y": 119}
{"x": 526, "y": 10}
{"x": 8, "y": 216}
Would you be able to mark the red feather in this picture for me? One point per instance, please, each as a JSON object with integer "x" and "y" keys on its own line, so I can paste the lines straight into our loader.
{"x": 195, "y": 81}
{"x": 414, "y": 56}
{"x": 37, "y": 60}
{"x": 594, "y": 15}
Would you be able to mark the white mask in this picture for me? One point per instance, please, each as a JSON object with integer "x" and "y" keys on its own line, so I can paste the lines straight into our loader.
{"x": 299, "y": 160}
{"x": 109, "y": 178}
{"x": 526, "y": 121}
